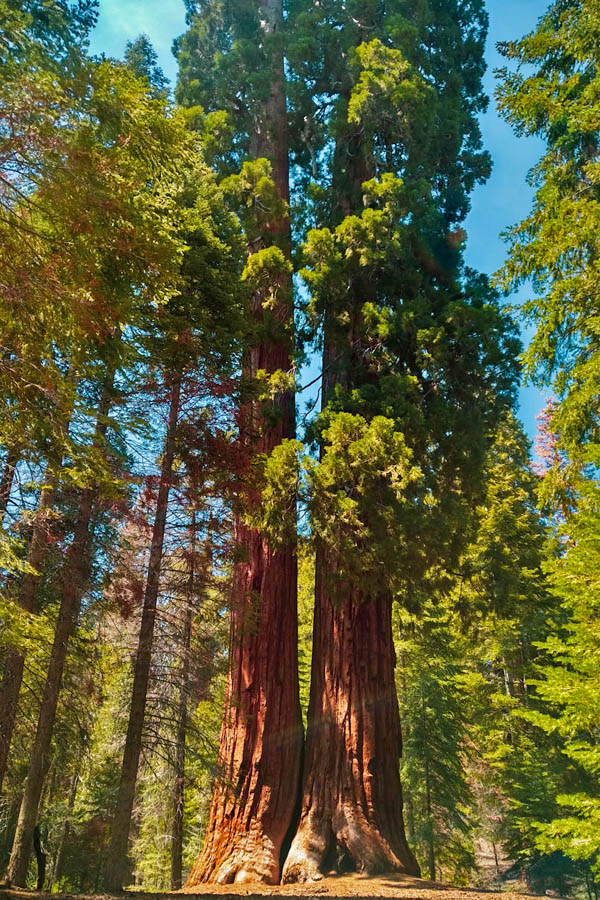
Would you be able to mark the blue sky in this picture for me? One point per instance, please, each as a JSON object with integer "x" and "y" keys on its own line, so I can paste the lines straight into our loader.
{"x": 502, "y": 201}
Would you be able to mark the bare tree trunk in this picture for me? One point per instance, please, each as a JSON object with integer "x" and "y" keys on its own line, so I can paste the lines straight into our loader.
{"x": 75, "y": 576}
{"x": 12, "y": 676}
{"x": 351, "y": 817}
{"x": 254, "y": 798}
{"x": 179, "y": 767}
{"x": 117, "y": 853}
{"x": 255, "y": 795}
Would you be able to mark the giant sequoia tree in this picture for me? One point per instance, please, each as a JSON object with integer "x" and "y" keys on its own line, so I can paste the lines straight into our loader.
{"x": 415, "y": 368}
{"x": 127, "y": 270}
{"x": 232, "y": 60}
{"x": 383, "y": 116}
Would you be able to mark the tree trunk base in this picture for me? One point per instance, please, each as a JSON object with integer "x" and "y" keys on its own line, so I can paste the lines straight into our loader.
{"x": 343, "y": 842}
{"x": 247, "y": 857}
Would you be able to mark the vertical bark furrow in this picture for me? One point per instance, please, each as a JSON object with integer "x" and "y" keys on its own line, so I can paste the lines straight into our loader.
{"x": 351, "y": 796}
{"x": 261, "y": 738}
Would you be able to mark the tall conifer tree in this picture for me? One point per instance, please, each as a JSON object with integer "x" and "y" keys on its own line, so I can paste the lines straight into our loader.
{"x": 231, "y": 61}
{"x": 415, "y": 368}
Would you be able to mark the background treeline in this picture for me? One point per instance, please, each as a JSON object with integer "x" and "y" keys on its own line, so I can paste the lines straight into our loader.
{"x": 125, "y": 293}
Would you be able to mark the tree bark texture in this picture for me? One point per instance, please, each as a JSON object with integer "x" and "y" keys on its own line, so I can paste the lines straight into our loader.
{"x": 351, "y": 817}
{"x": 428, "y": 811}
{"x": 75, "y": 577}
{"x": 254, "y": 798}
{"x": 12, "y": 676}
{"x": 255, "y": 794}
{"x": 117, "y": 854}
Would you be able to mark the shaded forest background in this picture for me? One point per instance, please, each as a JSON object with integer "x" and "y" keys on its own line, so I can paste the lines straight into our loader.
{"x": 126, "y": 294}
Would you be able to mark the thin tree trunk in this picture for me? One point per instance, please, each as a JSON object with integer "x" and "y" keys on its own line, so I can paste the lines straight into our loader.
{"x": 179, "y": 767}
{"x": 6, "y": 481}
{"x": 351, "y": 817}
{"x": 428, "y": 813}
{"x": 117, "y": 854}
{"x": 75, "y": 575}
{"x": 404, "y": 733}
{"x": 40, "y": 857}
{"x": 255, "y": 796}
{"x": 12, "y": 676}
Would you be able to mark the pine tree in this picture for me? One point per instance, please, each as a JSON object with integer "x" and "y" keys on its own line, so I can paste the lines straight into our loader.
{"x": 567, "y": 683}
{"x": 433, "y": 704}
{"x": 552, "y": 93}
{"x": 141, "y": 57}
{"x": 126, "y": 181}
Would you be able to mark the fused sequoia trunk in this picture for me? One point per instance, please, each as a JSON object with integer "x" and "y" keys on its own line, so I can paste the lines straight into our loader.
{"x": 116, "y": 862}
{"x": 351, "y": 817}
{"x": 255, "y": 795}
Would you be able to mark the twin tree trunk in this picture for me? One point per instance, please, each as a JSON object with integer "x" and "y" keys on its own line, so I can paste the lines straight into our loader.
{"x": 351, "y": 798}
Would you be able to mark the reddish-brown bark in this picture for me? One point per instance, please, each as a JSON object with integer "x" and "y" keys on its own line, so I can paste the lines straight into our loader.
{"x": 261, "y": 738}
{"x": 254, "y": 798}
{"x": 351, "y": 817}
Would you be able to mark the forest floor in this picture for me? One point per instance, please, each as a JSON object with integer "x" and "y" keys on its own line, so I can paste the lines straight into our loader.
{"x": 356, "y": 886}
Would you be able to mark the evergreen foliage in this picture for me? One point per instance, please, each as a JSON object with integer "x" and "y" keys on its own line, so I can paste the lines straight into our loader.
{"x": 144, "y": 242}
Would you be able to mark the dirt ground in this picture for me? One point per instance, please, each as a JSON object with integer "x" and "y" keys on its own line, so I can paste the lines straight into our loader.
{"x": 356, "y": 886}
